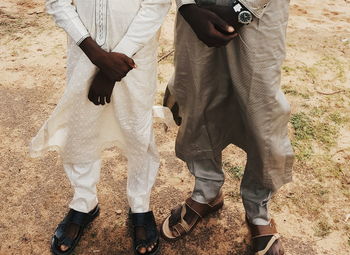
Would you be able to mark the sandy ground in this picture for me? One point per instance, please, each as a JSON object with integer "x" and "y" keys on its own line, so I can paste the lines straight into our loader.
{"x": 311, "y": 211}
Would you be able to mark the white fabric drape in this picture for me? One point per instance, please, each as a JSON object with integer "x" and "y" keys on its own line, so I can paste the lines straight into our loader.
{"x": 79, "y": 129}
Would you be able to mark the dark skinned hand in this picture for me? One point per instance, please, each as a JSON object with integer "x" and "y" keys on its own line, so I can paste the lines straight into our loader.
{"x": 101, "y": 89}
{"x": 208, "y": 26}
{"x": 114, "y": 65}
{"x": 227, "y": 14}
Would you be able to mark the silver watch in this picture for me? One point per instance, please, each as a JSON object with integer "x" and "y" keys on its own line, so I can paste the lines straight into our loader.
{"x": 244, "y": 16}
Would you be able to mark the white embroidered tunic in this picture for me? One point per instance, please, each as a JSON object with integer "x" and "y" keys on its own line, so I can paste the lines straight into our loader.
{"x": 79, "y": 129}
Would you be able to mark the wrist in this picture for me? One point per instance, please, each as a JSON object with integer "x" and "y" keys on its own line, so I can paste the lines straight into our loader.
{"x": 243, "y": 15}
{"x": 186, "y": 9}
{"x": 92, "y": 50}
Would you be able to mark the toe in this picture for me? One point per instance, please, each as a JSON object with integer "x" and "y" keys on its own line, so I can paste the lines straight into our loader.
{"x": 64, "y": 248}
{"x": 151, "y": 247}
{"x": 276, "y": 249}
{"x": 142, "y": 250}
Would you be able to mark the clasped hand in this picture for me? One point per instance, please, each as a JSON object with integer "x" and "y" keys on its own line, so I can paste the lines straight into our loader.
{"x": 113, "y": 67}
{"x": 215, "y": 26}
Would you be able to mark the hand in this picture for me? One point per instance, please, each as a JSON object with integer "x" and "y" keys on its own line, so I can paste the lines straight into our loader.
{"x": 114, "y": 65}
{"x": 208, "y": 26}
{"x": 101, "y": 89}
{"x": 227, "y": 14}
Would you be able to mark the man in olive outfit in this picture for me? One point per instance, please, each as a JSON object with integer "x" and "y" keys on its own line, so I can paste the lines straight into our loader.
{"x": 228, "y": 57}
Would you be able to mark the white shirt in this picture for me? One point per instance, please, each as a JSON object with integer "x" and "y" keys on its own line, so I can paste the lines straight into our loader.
{"x": 83, "y": 18}
{"x": 79, "y": 129}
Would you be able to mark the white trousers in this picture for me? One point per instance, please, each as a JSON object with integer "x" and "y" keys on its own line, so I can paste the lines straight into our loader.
{"x": 142, "y": 172}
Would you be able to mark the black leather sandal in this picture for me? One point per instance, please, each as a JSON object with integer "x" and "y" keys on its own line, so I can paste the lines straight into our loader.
{"x": 146, "y": 221}
{"x": 82, "y": 220}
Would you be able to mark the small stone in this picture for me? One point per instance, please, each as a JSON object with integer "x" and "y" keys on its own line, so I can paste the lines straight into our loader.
{"x": 119, "y": 212}
{"x": 347, "y": 217}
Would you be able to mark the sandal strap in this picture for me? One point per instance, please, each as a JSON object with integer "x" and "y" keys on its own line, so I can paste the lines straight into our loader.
{"x": 175, "y": 216}
{"x": 182, "y": 227}
{"x": 199, "y": 209}
{"x": 269, "y": 244}
{"x": 203, "y": 210}
{"x": 180, "y": 230}
{"x": 261, "y": 230}
{"x": 73, "y": 217}
{"x": 146, "y": 221}
{"x": 59, "y": 233}
{"x": 78, "y": 218}
{"x": 142, "y": 219}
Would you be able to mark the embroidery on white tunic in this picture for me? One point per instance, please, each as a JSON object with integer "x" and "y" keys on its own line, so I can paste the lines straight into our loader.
{"x": 101, "y": 21}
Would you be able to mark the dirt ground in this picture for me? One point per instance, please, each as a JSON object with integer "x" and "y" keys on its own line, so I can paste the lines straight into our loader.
{"x": 311, "y": 212}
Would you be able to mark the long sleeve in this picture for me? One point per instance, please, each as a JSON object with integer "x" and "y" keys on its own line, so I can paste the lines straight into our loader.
{"x": 144, "y": 26}
{"x": 66, "y": 17}
{"x": 180, "y": 3}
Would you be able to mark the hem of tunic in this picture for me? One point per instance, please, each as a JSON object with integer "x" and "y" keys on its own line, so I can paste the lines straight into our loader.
{"x": 202, "y": 154}
{"x": 41, "y": 152}
{"x": 286, "y": 178}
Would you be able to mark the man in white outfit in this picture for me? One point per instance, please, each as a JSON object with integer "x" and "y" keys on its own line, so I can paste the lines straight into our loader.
{"x": 111, "y": 84}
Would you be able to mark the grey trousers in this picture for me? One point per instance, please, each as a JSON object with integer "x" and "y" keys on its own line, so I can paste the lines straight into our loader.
{"x": 209, "y": 178}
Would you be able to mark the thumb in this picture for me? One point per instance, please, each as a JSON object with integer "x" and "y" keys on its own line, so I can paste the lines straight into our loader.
{"x": 130, "y": 62}
{"x": 222, "y": 25}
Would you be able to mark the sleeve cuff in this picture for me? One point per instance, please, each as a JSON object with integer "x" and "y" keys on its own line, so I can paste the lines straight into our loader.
{"x": 180, "y": 3}
{"x": 77, "y": 31}
{"x": 127, "y": 47}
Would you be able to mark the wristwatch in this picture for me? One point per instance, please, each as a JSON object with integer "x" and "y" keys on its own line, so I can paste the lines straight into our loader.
{"x": 245, "y": 17}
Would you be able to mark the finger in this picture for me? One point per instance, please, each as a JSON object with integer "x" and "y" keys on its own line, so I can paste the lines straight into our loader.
{"x": 219, "y": 34}
{"x": 124, "y": 70}
{"x": 91, "y": 95}
{"x": 95, "y": 101}
{"x": 94, "y": 98}
{"x": 102, "y": 100}
{"x": 223, "y": 43}
{"x": 222, "y": 24}
{"x": 220, "y": 38}
{"x": 130, "y": 62}
{"x": 108, "y": 98}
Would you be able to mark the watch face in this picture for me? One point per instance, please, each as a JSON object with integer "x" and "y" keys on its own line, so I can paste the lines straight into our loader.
{"x": 245, "y": 17}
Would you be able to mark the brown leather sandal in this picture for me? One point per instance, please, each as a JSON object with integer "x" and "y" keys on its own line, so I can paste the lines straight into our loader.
{"x": 175, "y": 227}
{"x": 265, "y": 231}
